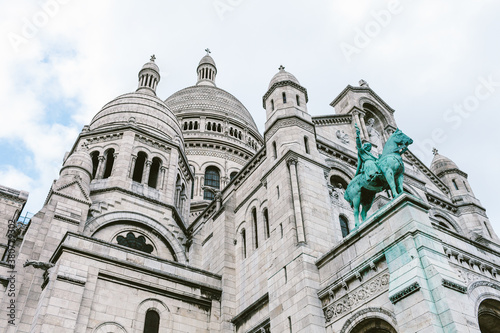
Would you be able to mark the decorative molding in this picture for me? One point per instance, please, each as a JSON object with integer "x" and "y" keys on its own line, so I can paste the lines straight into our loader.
{"x": 288, "y": 122}
{"x": 72, "y": 280}
{"x": 104, "y": 138}
{"x": 357, "y": 297}
{"x": 332, "y": 120}
{"x": 439, "y": 202}
{"x": 454, "y": 286}
{"x": 249, "y": 310}
{"x": 414, "y": 287}
{"x": 483, "y": 284}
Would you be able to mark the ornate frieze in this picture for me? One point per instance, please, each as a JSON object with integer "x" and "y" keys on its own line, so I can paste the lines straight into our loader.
{"x": 357, "y": 297}
{"x": 104, "y": 138}
{"x": 454, "y": 286}
{"x": 405, "y": 292}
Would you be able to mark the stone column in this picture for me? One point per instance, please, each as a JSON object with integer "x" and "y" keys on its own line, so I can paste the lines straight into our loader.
{"x": 100, "y": 167}
{"x": 131, "y": 166}
{"x": 299, "y": 222}
{"x": 163, "y": 171}
{"x": 145, "y": 174}
{"x": 115, "y": 156}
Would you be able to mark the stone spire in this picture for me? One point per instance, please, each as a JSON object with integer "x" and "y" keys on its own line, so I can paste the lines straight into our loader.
{"x": 207, "y": 71}
{"x": 149, "y": 76}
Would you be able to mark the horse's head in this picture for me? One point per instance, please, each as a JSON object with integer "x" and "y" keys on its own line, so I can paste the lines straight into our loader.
{"x": 398, "y": 142}
{"x": 401, "y": 138}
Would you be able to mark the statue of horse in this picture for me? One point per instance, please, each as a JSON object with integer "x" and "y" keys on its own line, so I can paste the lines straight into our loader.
{"x": 361, "y": 192}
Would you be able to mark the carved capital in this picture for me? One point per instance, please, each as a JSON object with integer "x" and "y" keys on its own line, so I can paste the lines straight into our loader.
{"x": 292, "y": 161}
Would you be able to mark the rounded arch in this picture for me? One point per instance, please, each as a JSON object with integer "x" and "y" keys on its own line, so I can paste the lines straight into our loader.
{"x": 371, "y": 318}
{"x": 208, "y": 164}
{"x": 110, "y": 327}
{"x": 159, "y": 307}
{"x": 442, "y": 216}
{"x": 480, "y": 291}
{"x": 374, "y": 109}
{"x": 488, "y": 315}
{"x": 102, "y": 221}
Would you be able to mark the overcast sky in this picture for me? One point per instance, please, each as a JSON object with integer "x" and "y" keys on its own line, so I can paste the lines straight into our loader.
{"x": 435, "y": 63}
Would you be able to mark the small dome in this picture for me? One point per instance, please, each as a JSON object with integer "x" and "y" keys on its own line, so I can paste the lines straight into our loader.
{"x": 207, "y": 59}
{"x": 281, "y": 76}
{"x": 144, "y": 110}
{"x": 441, "y": 164}
{"x": 80, "y": 159}
{"x": 151, "y": 65}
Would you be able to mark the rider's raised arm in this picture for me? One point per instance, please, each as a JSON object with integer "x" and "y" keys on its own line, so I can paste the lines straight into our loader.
{"x": 358, "y": 139}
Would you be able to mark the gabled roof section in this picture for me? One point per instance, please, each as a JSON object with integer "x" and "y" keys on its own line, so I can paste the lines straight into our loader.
{"x": 365, "y": 89}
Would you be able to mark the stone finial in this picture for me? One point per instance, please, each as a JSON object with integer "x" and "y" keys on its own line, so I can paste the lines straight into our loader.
{"x": 281, "y": 68}
{"x": 363, "y": 83}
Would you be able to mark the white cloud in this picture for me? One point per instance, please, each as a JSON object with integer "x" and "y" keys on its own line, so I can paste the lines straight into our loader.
{"x": 428, "y": 58}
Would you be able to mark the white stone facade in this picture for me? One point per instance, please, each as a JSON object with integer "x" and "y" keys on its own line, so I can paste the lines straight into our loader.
{"x": 179, "y": 216}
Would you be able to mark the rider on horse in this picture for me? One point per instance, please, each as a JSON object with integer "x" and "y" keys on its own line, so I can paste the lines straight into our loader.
{"x": 367, "y": 163}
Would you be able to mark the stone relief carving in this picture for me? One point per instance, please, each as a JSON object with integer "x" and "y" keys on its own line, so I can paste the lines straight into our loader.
{"x": 342, "y": 136}
{"x": 357, "y": 297}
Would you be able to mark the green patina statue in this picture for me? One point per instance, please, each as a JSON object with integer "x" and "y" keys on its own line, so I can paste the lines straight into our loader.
{"x": 374, "y": 174}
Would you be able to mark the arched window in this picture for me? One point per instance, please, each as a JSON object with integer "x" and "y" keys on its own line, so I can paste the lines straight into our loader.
{"x": 298, "y": 100}
{"x": 255, "y": 229}
{"x": 231, "y": 131}
{"x": 195, "y": 125}
{"x": 266, "y": 223}
{"x": 212, "y": 179}
{"x": 154, "y": 171}
{"x": 244, "y": 242}
{"x": 275, "y": 152}
{"x": 110, "y": 160}
{"x": 139, "y": 166}
{"x": 152, "y": 322}
{"x": 95, "y": 162}
{"x": 344, "y": 225}
{"x": 272, "y": 105}
{"x": 284, "y": 98}
{"x": 209, "y": 127}
{"x": 232, "y": 175}
{"x": 185, "y": 125}
{"x": 338, "y": 182}
{"x": 219, "y": 128}
{"x": 239, "y": 135}
{"x": 306, "y": 144}
{"x": 455, "y": 184}
{"x": 190, "y": 125}
{"x": 465, "y": 185}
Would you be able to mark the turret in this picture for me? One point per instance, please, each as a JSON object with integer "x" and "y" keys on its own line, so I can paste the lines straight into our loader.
{"x": 285, "y": 95}
{"x": 207, "y": 71}
{"x": 149, "y": 76}
{"x": 472, "y": 214}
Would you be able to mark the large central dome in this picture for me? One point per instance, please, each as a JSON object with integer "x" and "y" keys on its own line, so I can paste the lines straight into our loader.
{"x": 208, "y": 99}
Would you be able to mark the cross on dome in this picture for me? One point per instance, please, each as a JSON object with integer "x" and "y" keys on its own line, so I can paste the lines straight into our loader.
{"x": 208, "y": 51}
{"x": 282, "y": 68}
{"x": 152, "y": 58}
{"x": 434, "y": 151}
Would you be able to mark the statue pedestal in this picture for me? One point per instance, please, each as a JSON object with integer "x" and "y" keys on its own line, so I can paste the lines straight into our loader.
{"x": 427, "y": 294}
